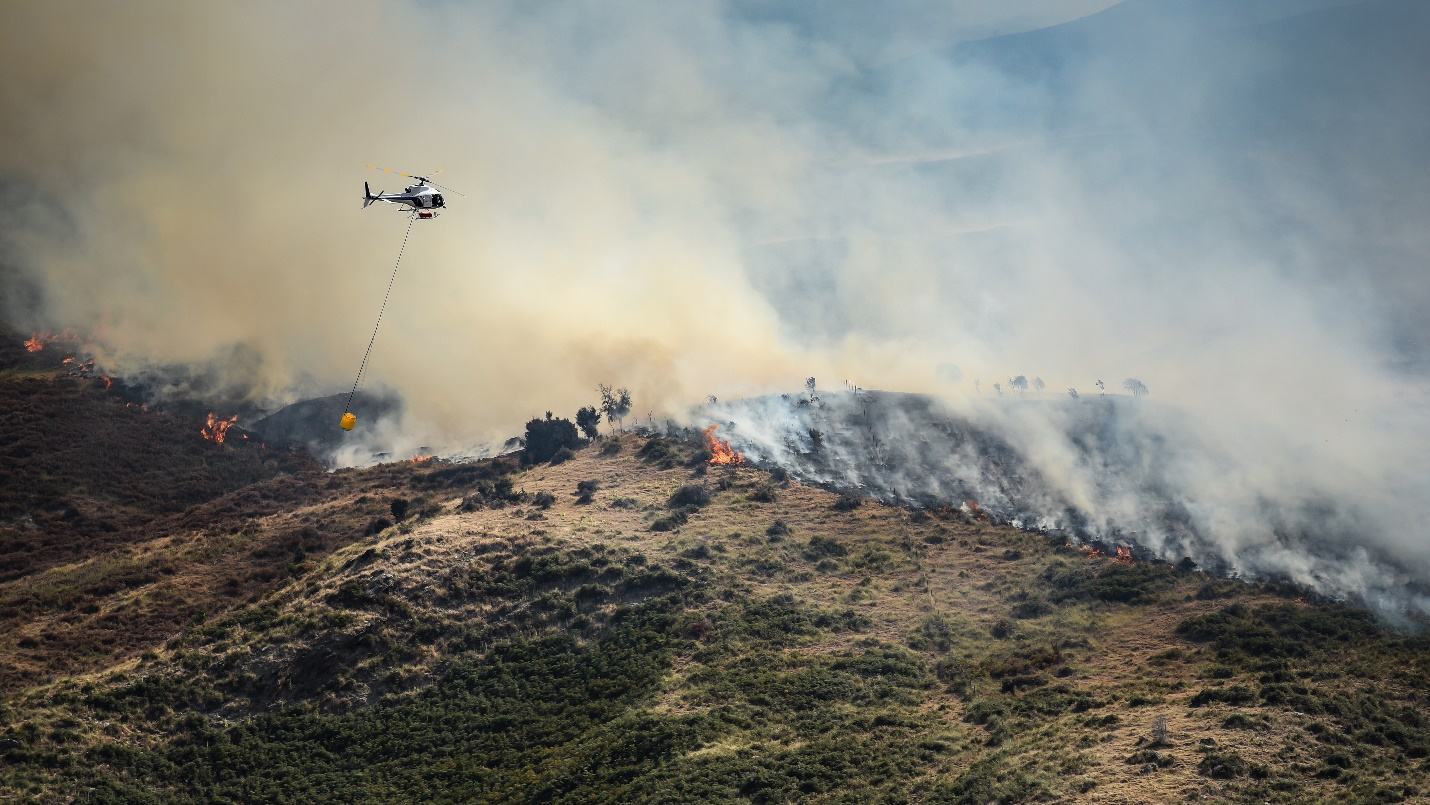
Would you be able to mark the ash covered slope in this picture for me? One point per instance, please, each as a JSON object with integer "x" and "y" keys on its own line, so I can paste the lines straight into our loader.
{"x": 1107, "y": 469}
{"x": 631, "y": 625}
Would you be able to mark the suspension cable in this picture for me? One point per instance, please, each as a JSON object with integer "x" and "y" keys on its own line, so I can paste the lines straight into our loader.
{"x": 363, "y": 366}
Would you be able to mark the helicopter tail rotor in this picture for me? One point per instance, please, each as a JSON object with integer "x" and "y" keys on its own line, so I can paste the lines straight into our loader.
{"x": 367, "y": 196}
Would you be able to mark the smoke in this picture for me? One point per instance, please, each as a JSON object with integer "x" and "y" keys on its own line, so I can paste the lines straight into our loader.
{"x": 1222, "y": 199}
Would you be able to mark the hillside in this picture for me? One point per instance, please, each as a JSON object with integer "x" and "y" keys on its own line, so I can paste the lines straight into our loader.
{"x": 631, "y": 625}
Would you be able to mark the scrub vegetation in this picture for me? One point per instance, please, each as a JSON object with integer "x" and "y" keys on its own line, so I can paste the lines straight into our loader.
{"x": 630, "y": 625}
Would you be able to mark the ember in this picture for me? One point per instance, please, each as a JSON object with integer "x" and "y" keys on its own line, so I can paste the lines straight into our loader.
{"x": 720, "y": 450}
{"x": 216, "y": 428}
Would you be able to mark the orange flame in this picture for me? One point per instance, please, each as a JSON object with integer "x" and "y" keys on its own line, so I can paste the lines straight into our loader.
{"x": 107, "y": 382}
{"x": 1124, "y": 555}
{"x": 38, "y": 340}
{"x": 720, "y": 450}
{"x": 419, "y": 459}
{"x": 216, "y": 428}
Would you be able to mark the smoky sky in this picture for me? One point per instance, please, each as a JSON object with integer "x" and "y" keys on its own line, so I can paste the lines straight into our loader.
{"x": 1223, "y": 199}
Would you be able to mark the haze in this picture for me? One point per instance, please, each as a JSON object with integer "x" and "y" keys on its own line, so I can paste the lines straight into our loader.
{"x": 1223, "y": 199}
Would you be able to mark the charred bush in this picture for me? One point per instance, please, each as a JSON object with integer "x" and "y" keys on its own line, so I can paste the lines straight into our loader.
{"x": 847, "y": 503}
{"x": 377, "y": 525}
{"x": 544, "y": 499}
{"x": 586, "y": 491}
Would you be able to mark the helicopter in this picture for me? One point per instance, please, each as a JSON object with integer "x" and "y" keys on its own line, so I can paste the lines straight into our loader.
{"x": 423, "y": 198}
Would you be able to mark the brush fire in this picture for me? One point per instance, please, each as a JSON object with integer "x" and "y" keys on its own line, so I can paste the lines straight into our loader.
{"x": 720, "y": 451}
{"x": 38, "y": 340}
{"x": 216, "y": 429}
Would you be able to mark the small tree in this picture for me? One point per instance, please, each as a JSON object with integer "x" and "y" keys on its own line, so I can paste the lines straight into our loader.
{"x": 809, "y": 386}
{"x": 998, "y": 388}
{"x": 615, "y": 404}
{"x": 1101, "y": 389}
{"x": 588, "y": 419}
{"x": 545, "y": 438}
{"x": 1072, "y": 393}
{"x": 1020, "y": 383}
{"x": 1135, "y": 386}
{"x": 977, "y": 385}
{"x": 1039, "y": 385}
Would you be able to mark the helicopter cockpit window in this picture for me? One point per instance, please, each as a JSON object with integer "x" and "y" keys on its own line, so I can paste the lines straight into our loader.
{"x": 437, "y": 199}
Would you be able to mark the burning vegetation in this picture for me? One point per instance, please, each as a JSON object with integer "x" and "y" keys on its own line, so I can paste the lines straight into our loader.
{"x": 39, "y": 340}
{"x": 720, "y": 451}
{"x": 216, "y": 430}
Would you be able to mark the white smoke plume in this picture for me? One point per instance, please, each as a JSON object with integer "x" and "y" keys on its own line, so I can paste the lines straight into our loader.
{"x": 1223, "y": 198}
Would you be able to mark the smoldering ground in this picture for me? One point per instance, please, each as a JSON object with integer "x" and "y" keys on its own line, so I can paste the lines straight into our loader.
{"x": 1223, "y": 199}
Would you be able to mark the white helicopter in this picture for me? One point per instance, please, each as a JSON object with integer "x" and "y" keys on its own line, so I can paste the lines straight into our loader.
{"x": 422, "y": 197}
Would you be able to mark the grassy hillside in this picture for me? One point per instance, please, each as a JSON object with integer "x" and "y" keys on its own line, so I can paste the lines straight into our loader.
{"x": 632, "y": 626}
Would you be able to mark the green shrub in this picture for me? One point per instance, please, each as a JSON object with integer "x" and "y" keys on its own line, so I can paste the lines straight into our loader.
{"x": 696, "y": 495}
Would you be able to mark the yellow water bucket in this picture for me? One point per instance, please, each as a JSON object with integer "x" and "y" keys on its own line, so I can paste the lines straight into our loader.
{"x": 348, "y": 421}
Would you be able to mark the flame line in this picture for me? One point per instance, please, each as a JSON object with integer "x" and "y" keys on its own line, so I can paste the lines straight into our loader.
{"x": 363, "y": 366}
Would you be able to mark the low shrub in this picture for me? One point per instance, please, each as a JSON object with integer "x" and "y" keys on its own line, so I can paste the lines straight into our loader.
{"x": 690, "y": 495}
{"x": 763, "y": 493}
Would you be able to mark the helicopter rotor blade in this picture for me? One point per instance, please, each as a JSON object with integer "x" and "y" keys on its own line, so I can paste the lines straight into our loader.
{"x": 388, "y": 170}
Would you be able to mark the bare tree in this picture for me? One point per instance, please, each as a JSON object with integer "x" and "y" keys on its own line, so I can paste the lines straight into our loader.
{"x": 809, "y": 385}
{"x": 977, "y": 385}
{"x": 1135, "y": 386}
{"x": 1101, "y": 389}
{"x": 1072, "y": 393}
{"x": 1039, "y": 385}
{"x": 998, "y": 388}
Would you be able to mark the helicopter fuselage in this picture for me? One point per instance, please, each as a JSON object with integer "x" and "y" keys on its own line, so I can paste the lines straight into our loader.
{"x": 417, "y": 197}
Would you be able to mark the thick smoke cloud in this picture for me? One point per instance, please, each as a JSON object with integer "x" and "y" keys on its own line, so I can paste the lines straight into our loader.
{"x": 1223, "y": 199}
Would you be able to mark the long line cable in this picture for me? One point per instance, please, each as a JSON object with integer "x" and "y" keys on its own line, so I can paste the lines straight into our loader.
{"x": 363, "y": 366}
